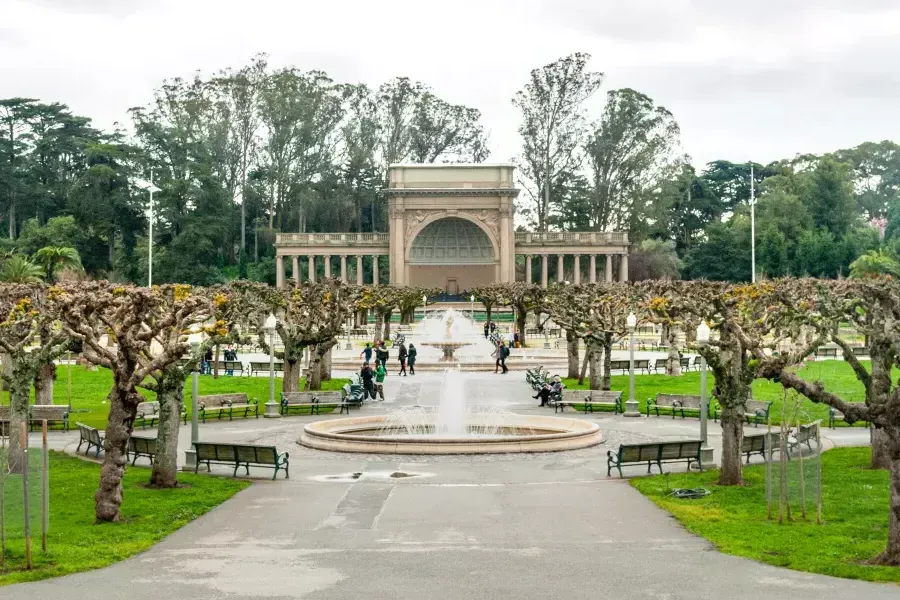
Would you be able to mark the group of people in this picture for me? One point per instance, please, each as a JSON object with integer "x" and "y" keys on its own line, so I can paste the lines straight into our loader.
{"x": 373, "y": 378}
{"x": 206, "y": 364}
{"x": 554, "y": 388}
{"x": 500, "y": 353}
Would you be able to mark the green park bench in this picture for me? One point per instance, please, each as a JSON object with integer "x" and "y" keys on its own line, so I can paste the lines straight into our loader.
{"x": 678, "y": 404}
{"x": 140, "y": 446}
{"x": 91, "y": 436}
{"x": 262, "y": 368}
{"x": 655, "y": 453}
{"x": 240, "y": 455}
{"x": 312, "y": 401}
{"x": 230, "y": 405}
{"x": 804, "y": 434}
{"x": 148, "y": 414}
{"x": 835, "y": 415}
{"x": 589, "y": 400}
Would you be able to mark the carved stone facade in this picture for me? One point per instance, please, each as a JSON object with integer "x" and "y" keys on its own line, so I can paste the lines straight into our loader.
{"x": 451, "y": 227}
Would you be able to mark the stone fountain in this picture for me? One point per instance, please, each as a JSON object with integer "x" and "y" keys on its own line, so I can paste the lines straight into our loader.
{"x": 451, "y": 427}
{"x": 450, "y": 342}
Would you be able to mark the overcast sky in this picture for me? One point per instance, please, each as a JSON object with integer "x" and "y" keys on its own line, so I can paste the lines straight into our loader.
{"x": 762, "y": 79}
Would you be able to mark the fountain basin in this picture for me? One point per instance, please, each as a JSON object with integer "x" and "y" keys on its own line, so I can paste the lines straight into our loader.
{"x": 519, "y": 433}
{"x": 448, "y": 348}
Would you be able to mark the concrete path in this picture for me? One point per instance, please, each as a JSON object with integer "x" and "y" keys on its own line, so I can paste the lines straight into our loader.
{"x": 460, "y": 528}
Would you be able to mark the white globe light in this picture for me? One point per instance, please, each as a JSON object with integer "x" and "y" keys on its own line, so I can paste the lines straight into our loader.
{"x": 702, "y": 333}
{"x": 271, "y": 322}
{"x": 631, "y": 321}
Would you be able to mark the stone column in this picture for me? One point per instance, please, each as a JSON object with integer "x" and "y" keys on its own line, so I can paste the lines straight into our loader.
{"x": 327, "y": 266}
{"x": 593, "y": 277}
{"x": 312, "y": 268}
{"x": 543, "y": 271}
{"x": 359, "y": 270}
{"x": 528, "y": 269}
{"x": 375, "y": 269}
{"x": 577, "y": 269}
{"x": 279, "y": 271}
{"x": 295, "y": 269}
{"x": 559, "y": 268}
{"x": 343, "y": 268}
{"x": 608, "y": 268}
{"x": 623, "y": 268}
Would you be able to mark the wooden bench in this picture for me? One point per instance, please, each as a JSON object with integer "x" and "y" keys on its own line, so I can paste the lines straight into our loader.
{"x": 757, "y": 411}
{"x": 228, "y": 366}
{"x": 140, "y": 446}
{"x": 687, "y": 451}
{"x": 589, "y": 399}
{"x": 660, "y": 364}
{"x": 241, "y": 455}
{"x": 623, "y": 365}
{"x": 860, "y": 351}
{"x": 804, "y": 434}
{"x": 54, "y": 414}
{"x": 836, "y": 415}
{"x": 148, "y": 414}
{"x": 314, "y": 401}
{"x": 826, "y": 352}
{"x": 231, "y": 405}
{"x": 91, "y": 436}
{"x": 756, "y": 444}
{"x": 263, "y": 367}
{"x": 677, "y": 404}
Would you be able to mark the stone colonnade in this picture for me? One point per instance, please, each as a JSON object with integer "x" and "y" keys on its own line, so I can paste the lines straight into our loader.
{"x": 310, "y": 260}
{"x": 592, "y": 268}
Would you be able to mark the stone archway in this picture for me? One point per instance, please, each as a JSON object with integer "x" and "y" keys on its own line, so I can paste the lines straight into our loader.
{"x": 451, "y": 252}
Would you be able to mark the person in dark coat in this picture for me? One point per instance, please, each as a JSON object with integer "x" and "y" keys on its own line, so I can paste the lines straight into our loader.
{"x": 367, "y": 377}
{"x": 485, "y": 330}
{"x": 401, "y": 356}
{"x": 411, "y": 358}
{"x": 381, "y": 355}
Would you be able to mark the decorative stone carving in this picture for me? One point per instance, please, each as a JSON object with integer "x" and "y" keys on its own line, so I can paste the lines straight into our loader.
{"x": 490, "y": 219}
{"x": 414, "y": 218}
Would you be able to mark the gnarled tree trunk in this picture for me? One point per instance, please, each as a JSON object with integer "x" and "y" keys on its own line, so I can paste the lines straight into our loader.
{"x": 43, "y": 384}
{"x": 673, "y": 359}
{"x": 379, "y": 323}
{"x": 292, "y": 370}
{"x": 520, "y": 326}
{"x": 732, "y": 419}
{"x": 325, "y": 371}
{"x": 215, "y": 364}
{"x": 572, "y": 351}
{"x": 19, "y": 389}
{"x": 607, "y": 360}
{"x": 595, "y": 373}
{"x": 881, "y": 449}
{"x": 314, "y": 381}
{"x": 122, "y": 411}
{"x": 891, "y": 554}
{"x": 7, "y": 370}
{"x": 170, "y": 394}
{"x": 387, "y": 325}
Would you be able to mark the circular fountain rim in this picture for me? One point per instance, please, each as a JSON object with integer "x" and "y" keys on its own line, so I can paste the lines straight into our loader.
{"x": 566, "y": 434}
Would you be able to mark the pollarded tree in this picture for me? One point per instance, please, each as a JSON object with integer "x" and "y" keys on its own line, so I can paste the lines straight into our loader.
{"x": 490, "y": 296}
{"x": 150, "y": 328}
{"x": 596, "y": 313}
{"x": 740, "y": 317}
{"x": 380, "y": 299}
{"x": 872, "y": 306}
{"x": 523, "y": 298}
{"x": 31, "y": 339}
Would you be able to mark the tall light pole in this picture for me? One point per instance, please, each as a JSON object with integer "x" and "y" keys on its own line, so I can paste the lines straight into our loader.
{"x": 706, "y": 453}
{"x": 424, "y": 307}
{"x": 631, "y": 405}
{"x": 472, "y": 308}
{"x": 148, "y": 185}
{"x": 752, "y": 228}
{"x": 271, "y": 408}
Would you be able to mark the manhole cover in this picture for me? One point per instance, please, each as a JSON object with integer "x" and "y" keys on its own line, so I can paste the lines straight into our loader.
{"x": 369, "y": 476}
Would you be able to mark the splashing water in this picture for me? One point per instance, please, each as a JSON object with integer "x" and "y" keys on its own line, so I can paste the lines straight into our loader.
{"x": 451, "y": 417}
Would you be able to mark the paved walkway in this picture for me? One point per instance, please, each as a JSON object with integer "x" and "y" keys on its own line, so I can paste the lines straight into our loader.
{"x": 541, "y": 526}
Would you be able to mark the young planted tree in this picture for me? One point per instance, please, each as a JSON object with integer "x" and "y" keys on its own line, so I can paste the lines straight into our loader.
{"x": 872, "y": 306}
{"x": 150, "y": 327}
{"x": 29, "y": 339}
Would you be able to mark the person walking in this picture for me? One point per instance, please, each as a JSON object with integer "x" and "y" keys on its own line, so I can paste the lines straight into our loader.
{"x": 382, "y": 355}
{"x": 496, "y": 355}
{"x": 504, "y": 353}
{"x": 493, "y": 327}
{"x": 366, "y": 376}
{"x": 401, "y": 356}
{"x": 485, "y": 330}
{"x": 411, "y": 358}
{"x": 367, "y": 353}
{"x": 380, "y": 372}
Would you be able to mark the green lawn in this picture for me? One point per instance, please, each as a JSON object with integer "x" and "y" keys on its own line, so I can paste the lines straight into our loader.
{"x": 855, "y": 512}
{"x": 836, "y": 374}
{"x": 89, "y": 390}
{"x": 75, "y": 543}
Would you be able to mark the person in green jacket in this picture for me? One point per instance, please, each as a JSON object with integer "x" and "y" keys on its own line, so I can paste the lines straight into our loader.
{"x": 380, "y": 372}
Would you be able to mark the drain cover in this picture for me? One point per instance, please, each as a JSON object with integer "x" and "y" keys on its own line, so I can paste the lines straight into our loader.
{"x": 368, "y": 476}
